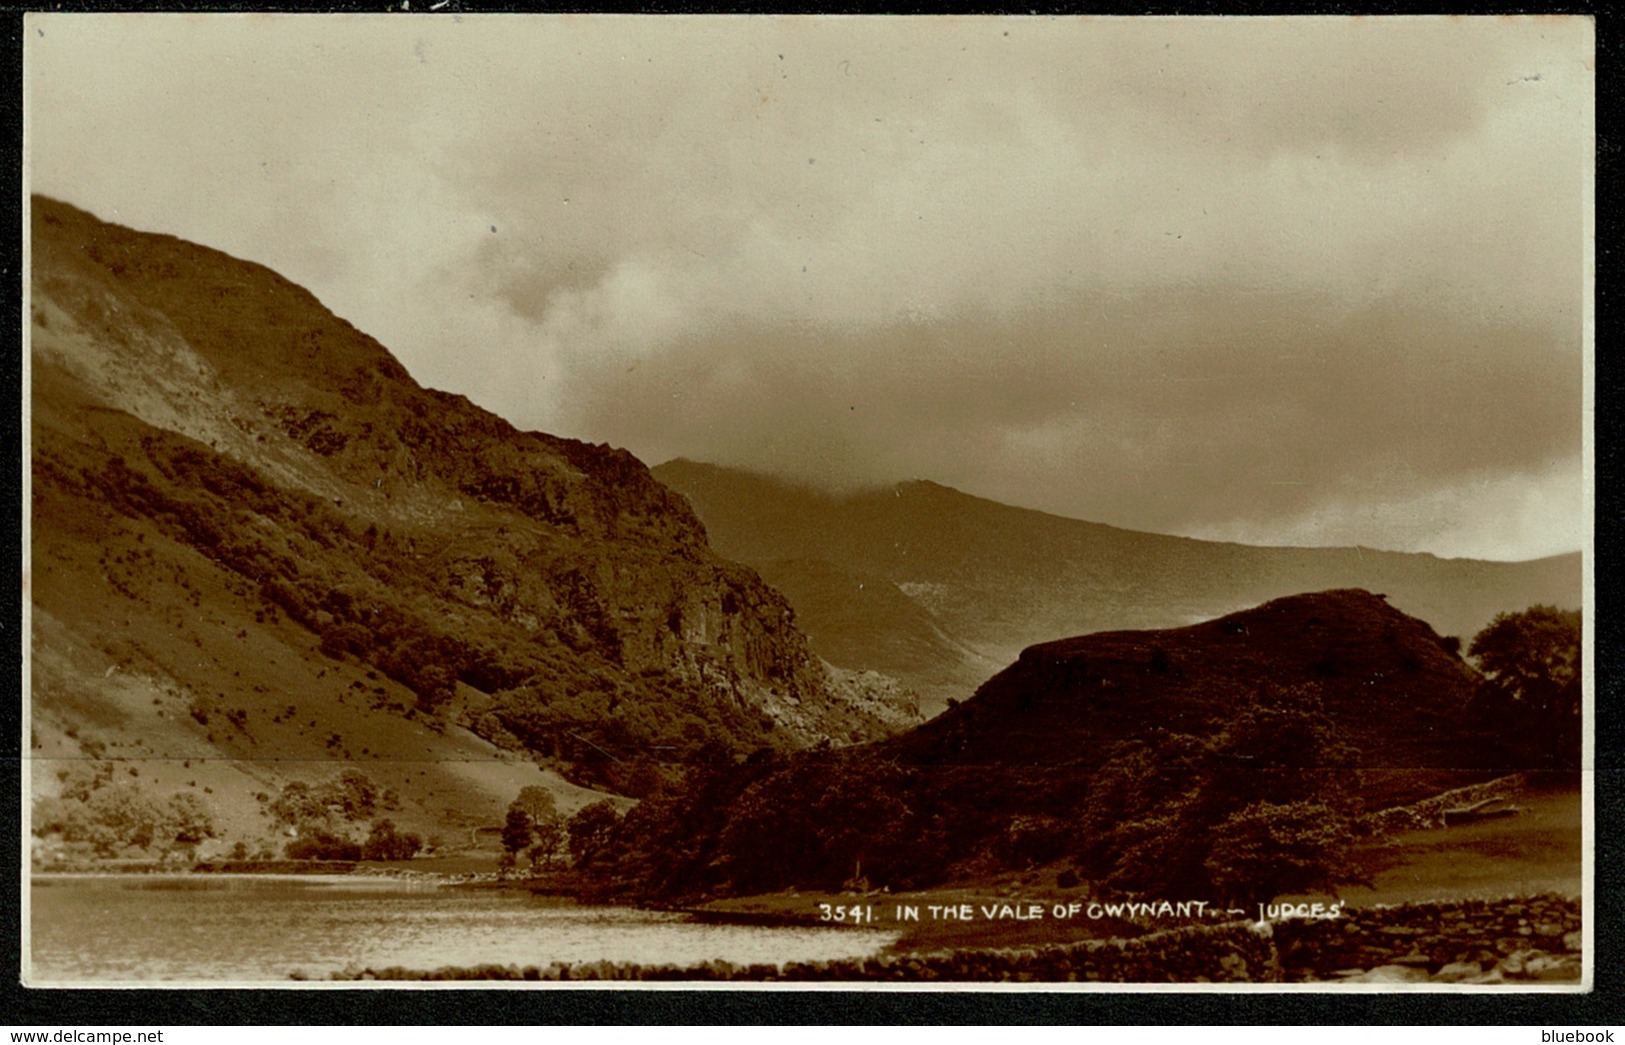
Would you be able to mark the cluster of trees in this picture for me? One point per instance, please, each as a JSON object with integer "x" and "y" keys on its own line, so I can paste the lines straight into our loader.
{"x": 107, "y": 817}
{"x": 326, "y": 818}
{"x": 820, "y": 819}
{"x": 403, "y": 647}
{"x": 1264, "y": 806}
{"x": 1532, "y": 693}
{"x": 1267, "y": 806}
{"x": 386, "y": 842}
{"x": 630, "y": 736}
{"x": 357, "y": 606}
{"x": 349, "y": 796}
{"x": 533, "y": 827}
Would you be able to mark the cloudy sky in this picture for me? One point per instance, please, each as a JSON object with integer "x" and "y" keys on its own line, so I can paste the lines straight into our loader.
{"x": 1307, "y": 281}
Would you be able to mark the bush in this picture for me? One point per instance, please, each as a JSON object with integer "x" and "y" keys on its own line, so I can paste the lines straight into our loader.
{"x": 322, "y": 845}
{"x": 339, "y": 639}
{"x": 386, "y": 843}
{"x": 349, "y": 797}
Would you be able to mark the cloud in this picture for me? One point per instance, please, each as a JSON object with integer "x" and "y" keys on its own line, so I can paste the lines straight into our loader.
{"x": 1166, "y": 411}
{"x": 1527, "y": 515}
{"x": 1182, "y": 274}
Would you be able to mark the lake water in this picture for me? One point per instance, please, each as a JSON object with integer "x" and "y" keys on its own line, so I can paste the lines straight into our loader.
{"x": 256, "y": 929}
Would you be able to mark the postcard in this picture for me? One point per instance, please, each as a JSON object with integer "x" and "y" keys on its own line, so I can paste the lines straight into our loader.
{"x": 998, "y": 503}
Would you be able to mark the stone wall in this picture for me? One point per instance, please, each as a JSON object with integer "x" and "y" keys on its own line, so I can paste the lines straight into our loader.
{"x": 1429, "y": 813}
{"x": 1472, "y": 941}
{"x": 1535, "y": 939}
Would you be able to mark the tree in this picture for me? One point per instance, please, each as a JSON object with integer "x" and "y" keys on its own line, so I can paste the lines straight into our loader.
{"x": 859, "y": 819}
{"x": 1530, "y": 654}
{"x": 1532, "y": 665}
{"x": 1263, "y": 808}
{"x": 354, "y": 794}
{"x": 434, "y": 684}
{"x": 640, "y": 778}
{"x": 590, "y": 829}
{"x": 1283, "y": 747}
{"x": 386, "y": 843}
{"x": 1268, "y": 849}
{"x": 516, "y": 833}
{"x": 297, "y": 804}
{"x": 346, "y": 637}
{"x": 537, "y": 801}
{"x": 546, "y": 826}
{"x": 549, "y": 839}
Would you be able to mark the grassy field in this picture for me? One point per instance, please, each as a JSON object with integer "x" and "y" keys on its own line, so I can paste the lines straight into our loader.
{"x": 1536, "y": 851}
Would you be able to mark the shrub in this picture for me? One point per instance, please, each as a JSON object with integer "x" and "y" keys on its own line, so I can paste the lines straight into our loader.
{"x": 386, "y": 843}
{"x": 322, "y": 845}
{"x": 339, "y": 639}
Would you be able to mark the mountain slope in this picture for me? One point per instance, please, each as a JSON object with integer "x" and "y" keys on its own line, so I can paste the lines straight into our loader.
{"x": 253, "y": 533}
{"x": 986, "y": 580}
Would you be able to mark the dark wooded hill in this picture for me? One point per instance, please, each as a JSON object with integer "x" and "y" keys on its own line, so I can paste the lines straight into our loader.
{"x": 260, "y": 548}
{"x": 940, "y": 589}
{"x": 1335, "y": 697}
{"x": 1384, "y": 679}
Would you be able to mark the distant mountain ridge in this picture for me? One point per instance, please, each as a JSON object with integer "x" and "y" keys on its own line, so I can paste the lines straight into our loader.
{"x": 967, "y": 583}
{"x": 257, "y": 542}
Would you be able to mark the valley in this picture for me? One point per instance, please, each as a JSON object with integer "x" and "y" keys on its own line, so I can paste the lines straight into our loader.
{"x": 287, "y": 605}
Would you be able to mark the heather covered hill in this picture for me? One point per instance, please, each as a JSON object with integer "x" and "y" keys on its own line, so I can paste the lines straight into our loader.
{"x": 973, "y": 582}
{"x": 257, "y": 544}
{"x": 1136, "y": 754}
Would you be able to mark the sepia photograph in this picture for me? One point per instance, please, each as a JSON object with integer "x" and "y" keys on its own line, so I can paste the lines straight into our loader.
{"x": 943, "y": 502}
